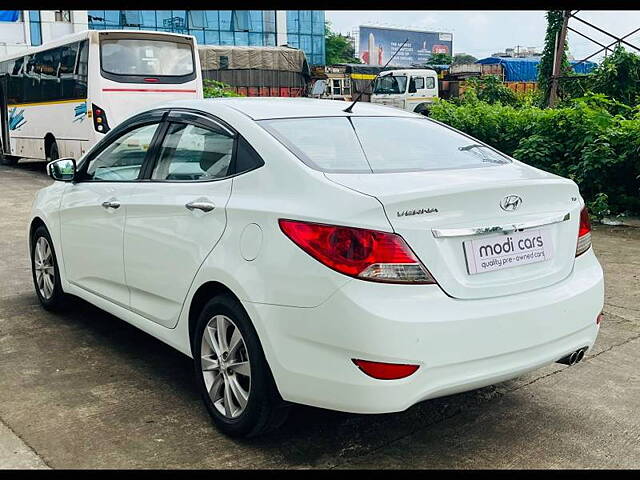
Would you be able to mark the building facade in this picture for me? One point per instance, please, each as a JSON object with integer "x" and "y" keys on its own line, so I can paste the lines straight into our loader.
{"x": 303, "y": 29}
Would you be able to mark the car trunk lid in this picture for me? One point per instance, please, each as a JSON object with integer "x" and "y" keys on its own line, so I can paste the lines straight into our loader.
{"x": 439, "y": 213}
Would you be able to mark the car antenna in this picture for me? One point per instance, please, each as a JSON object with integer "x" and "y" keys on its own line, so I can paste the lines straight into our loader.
{"x": 348, "y": 109}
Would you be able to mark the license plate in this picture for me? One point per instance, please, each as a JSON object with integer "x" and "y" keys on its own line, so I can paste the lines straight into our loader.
{"x": 498, "y": 252}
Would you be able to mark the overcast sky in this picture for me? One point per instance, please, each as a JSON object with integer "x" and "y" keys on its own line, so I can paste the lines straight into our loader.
{"x": 482, "y": 33}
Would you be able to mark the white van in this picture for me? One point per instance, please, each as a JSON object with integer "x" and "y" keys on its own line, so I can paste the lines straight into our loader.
{"x": 411, "y": 90}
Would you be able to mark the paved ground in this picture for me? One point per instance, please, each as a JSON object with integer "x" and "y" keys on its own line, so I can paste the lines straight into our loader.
{"x": 85, "y": 390}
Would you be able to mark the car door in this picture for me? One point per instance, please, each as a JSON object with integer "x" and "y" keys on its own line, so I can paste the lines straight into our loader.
{"x": 415, "y": 92}
{"x": 93, "y": 211}
{"x": 177, "y": 215}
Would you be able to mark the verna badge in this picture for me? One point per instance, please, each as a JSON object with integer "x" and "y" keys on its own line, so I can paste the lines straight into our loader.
{"x": 510, "y": 203}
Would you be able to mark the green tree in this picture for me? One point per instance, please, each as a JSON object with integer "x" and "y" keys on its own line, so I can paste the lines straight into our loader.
{"x": 613, "y": 85}
{"x": 337, "y": 47}
{"x": 463, "y": 58}
{"x": 618, "y": 77}
{"x": 439, "y": 59}
{"x": 545, "y": 68}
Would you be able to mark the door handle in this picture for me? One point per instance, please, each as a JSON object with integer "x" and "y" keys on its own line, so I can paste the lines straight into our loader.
{"x": 204, "y": 206}
{"x": 111, "y": 204}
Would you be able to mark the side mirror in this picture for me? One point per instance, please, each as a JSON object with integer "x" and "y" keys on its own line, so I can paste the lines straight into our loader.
{"x": 63, "y": 169}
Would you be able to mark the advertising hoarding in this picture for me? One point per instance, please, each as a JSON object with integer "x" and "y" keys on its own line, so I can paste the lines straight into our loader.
{"x": 378, "y": 44}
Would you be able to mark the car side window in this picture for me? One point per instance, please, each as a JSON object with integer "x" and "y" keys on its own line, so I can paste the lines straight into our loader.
{"x": 190, "y": 152}
{"x": 419, "y": 82}
{"x": 247, "y": 158}
{"x": 122, "y": 160}
{"x": 431, "y": 82}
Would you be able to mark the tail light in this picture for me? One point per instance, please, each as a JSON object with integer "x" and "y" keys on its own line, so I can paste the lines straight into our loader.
{"x": 385, "y": 371}
{"x": 357, "y": 252}
{"x": 584, "y": 232}
{"x": 99, "y": 119}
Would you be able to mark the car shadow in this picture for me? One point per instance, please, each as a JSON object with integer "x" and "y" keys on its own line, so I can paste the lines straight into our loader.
{"x": 310, "y": 436}
{"x": 29, "y": 165}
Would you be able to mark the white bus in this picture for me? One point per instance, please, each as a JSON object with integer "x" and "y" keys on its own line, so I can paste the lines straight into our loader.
{"x": 59, "y": 99}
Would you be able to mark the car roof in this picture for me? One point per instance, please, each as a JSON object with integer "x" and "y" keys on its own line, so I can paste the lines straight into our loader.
{"x": 261, "y": 108}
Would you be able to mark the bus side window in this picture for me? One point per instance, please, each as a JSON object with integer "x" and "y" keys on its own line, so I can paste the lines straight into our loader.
{"x": 81, "y": 71}
{"x": 15, "y": 83}
{"x": 48, "y": 64}
{"x": 68, "y": 55}
{"x": 31, "y": 80}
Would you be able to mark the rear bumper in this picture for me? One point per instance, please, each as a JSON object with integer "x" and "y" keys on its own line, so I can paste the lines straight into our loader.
{"x": 459, "y": 344}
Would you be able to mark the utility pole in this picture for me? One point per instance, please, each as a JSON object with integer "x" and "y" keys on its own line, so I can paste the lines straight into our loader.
{"x": 557, "y": 58}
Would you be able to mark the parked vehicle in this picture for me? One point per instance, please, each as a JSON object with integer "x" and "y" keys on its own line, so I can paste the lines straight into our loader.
{"x": 257, "y": 71}
{"x": 359, "y": 262}
{"x": 410, "y": 90}
{"x": 59, "y": 99}
{"x": 346, "y": 81}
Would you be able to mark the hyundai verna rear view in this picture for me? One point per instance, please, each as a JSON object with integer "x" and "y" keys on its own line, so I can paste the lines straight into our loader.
{"x": 358, "y": 261}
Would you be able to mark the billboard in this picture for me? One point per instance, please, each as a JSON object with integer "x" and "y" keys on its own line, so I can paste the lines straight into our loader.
{"x": 378, "y": 44}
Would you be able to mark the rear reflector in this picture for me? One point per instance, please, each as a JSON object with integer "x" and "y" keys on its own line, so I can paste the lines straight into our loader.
{"x": 584, "y": 232}
{"x": 385, "y": 371}
{"x": 358, "y": 252}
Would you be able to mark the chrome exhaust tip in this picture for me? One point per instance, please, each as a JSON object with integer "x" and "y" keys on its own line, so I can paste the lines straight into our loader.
{"x": 573, "y": 357}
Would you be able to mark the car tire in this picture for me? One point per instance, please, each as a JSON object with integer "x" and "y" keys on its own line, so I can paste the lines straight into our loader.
{"x": 225, "y": 386}
{"x": 422, "y": 110}
{"x": 45, "y": 273}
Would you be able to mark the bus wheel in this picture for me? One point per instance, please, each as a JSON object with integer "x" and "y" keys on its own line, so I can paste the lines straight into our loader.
{"x": 7, "y": 159}
{"x": 53, "y": 152}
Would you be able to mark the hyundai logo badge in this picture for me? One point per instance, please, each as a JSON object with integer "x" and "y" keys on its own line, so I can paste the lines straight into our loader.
{"x": 510, "y": 203}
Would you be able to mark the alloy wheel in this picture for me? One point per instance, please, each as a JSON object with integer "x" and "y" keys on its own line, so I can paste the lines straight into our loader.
{"x": 225, "y": 366}
{"x": 44, "y": 268}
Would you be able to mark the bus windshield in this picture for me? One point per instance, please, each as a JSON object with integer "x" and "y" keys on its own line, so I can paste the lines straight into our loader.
{"x": 146, "y": 57}
{"x": 390, "y": 84}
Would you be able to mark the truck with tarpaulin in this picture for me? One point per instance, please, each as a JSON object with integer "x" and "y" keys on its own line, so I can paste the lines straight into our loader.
{"x": 257, "y": 71}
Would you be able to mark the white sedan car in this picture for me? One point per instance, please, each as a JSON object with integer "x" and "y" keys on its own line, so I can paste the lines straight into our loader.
{"x": 360, "y": 262}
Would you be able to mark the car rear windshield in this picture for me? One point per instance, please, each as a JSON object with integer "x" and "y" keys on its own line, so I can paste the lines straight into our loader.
{"x": 379, "y": 144}
{"x": 146, "y": 57}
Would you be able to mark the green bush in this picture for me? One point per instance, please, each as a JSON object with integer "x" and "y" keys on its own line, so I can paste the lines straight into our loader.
{"x": 489, "y": 89}
{"x": 215, "y": 89}
{"x": 582, "y": 141}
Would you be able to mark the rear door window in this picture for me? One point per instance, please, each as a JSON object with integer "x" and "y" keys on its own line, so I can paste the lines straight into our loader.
{"x": 190, "y": 152}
